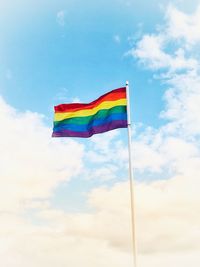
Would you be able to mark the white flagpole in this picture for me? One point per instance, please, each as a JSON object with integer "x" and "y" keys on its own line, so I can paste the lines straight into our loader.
{"x": 131, "y": 176}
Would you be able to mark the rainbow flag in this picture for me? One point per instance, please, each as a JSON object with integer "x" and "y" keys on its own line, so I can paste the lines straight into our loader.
{"x": 106, "y": 113}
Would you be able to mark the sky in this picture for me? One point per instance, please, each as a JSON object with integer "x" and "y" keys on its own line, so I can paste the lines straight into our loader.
{"x": 68, "y": 198}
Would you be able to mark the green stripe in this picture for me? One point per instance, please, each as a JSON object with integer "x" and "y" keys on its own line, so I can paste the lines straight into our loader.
{"x": 99, "y": 115}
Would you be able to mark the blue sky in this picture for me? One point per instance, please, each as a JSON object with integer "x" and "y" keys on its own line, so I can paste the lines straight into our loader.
{"x": 86, "y": 55}
{"x": 83, "y": 55}
{"x": 64, "y": 194}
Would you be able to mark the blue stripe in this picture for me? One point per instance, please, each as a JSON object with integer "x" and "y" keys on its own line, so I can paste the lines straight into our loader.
{"x": 93, "y": 123}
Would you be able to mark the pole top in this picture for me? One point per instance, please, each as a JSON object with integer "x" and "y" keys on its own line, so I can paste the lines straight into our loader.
{"x": 127, "y": 83}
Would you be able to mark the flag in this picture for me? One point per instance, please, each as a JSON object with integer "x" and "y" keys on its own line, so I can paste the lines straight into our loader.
{"x": 106, "y": 113}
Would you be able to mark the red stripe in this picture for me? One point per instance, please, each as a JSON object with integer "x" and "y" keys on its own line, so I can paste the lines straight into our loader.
{"x": 113, "y": 95}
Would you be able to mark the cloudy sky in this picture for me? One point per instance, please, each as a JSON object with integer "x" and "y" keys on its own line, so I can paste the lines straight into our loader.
{"x": 65, "y": 202}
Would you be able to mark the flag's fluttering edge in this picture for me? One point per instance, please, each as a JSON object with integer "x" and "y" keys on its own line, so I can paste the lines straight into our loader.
{"x": 106, "y": 113}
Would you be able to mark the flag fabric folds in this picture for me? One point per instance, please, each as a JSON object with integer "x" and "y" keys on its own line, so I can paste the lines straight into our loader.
{"x": 106, "y": 113}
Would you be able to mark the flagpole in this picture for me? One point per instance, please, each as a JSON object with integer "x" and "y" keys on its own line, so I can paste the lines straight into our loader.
{"x": 131, "y": 177}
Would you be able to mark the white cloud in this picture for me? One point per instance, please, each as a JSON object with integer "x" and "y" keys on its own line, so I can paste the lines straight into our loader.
{"x": 164, "y": 152}
{"x": 56, "y": 237}
{"x": 168, "y": 48}
{"x": 184, "y": 27}
{"x": 167, "y": 51}
{"x": 105, "y": 173}
{"x": 147, "y": 158}
{"x": 163, "y": 206}
{"x": 163, "y": 233}
{"x": 32, "y": 163}
{"x": 151, "y": 52}
{"x": 183, "y": 100}
{"x": 108, "y": 157}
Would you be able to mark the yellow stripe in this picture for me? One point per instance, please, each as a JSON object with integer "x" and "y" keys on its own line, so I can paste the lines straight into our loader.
{"x": 90, "y": 112}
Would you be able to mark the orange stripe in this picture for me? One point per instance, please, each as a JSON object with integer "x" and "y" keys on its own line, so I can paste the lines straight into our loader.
{"x": 89, "y": 112}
